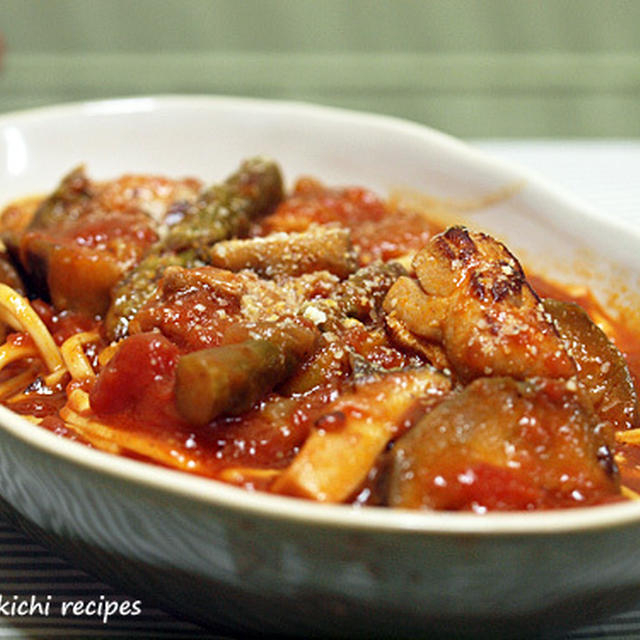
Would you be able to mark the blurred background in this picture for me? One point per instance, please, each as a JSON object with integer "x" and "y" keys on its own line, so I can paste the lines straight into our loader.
{"x": 474, "y": 68}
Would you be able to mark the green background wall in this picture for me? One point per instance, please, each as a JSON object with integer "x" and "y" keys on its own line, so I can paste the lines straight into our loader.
{"x": 483, "y": 68}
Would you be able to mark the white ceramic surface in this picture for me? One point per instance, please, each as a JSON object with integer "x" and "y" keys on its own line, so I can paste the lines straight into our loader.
{"x": 252, "y": 562}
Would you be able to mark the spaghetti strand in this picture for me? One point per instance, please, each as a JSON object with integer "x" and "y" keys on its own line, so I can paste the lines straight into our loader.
{"x": 16, "y": 311}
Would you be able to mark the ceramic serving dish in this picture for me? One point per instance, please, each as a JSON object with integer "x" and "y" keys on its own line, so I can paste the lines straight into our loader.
{"x": 249, "y": 563}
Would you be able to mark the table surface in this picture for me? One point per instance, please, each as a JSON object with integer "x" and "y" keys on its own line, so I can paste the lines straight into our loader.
{"x": 603, "y": 173}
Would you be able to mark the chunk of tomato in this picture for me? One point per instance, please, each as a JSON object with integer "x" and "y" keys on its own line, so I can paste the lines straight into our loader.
{"x": 140, "y": 376}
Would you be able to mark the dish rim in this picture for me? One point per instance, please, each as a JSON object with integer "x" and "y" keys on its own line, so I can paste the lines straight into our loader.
{"x": 215, "y": 493}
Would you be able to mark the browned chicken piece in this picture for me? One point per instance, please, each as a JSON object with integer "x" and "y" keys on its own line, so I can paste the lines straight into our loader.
{"x": 319, "y": 248}
{"x": 501, "y": 444}
{"x": 197, "y": 308}
{"x": 241, "y": 337}
{"x": 472, "y": 299}
{"x": 207, "y": 307}
{"x": 414, "y": 313}
{"x": 602, "y": 370}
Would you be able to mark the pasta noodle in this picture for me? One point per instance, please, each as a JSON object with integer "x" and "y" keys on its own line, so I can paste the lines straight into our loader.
{"x": 74, "y": 356}
{"x": 16, "y": 311}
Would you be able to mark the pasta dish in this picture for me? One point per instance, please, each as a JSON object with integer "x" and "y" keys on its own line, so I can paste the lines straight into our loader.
{"x": 323, "y": 343}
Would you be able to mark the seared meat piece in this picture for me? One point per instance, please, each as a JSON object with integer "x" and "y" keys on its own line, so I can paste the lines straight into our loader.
{"x": 472, "y": 299}
{"x": 415, "y": 312}
{"x": 207, "y": 307}
{"x": 241, "y": 335}
{"x": 602, "y": 370}
{"x": 505, "y": 445}
{"x": 194, "y": 308}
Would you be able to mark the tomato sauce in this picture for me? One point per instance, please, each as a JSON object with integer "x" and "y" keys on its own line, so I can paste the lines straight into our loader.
{"x": 134, "y": 393}
{"x": 378, "y": 235}
{"x": 134, "y": 390}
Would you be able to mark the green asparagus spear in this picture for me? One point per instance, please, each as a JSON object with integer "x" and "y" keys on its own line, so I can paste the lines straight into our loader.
{"x": 229, "y": 379}
{"x": 138, "y": 286}
{"x": 223, "y": 211}
{"x": 226, "y": 210}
